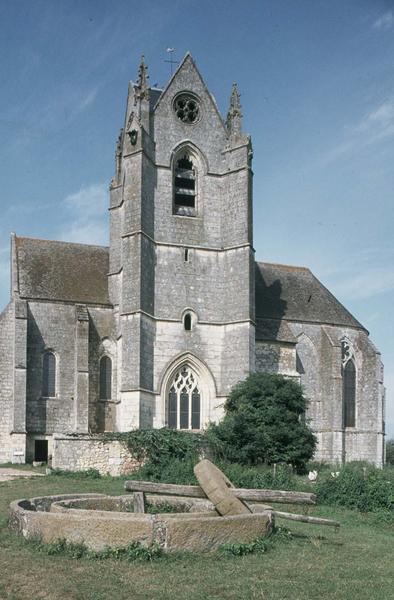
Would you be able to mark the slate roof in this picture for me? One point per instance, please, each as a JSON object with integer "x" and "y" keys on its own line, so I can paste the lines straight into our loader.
{"x": 274, "y": 330}
{"x": 294, "y": 294}
{"x": 154, "y": 95}
{"x": 64, "y": 271}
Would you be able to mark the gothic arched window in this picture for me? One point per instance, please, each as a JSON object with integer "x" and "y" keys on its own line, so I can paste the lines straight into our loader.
{"x": 184, "y": 401}
{"x": 348, "y": 386}
{"x": 184, "y": 186}
{"x": 49, "y": 375}
{"x": 105, "y": 378}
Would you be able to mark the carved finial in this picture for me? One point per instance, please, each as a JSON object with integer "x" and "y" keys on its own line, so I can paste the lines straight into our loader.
{"x": 234, "y": 115}
{"x": 143, "y": 80}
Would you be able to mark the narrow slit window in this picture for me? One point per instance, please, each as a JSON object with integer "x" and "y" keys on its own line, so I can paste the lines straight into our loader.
{"x": 185, "y": 187}
{"x": 49, "y": 375}
{"x": 105, "y": 378}
{"x": 187, "y": 322}
{"x": 186, "y": 255}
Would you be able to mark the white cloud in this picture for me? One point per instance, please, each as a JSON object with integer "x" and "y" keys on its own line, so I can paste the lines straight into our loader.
{"x": 64, "y": 106}
{"x": 365, "y": 284}
{"x": 363, "y": 275}
{"x": 385, "y": 22}
{"x": 86, "y": 215}
{"x": 379, "y": 122}
{"x": 85, "y": 100}
{"x": 375, "y": 126}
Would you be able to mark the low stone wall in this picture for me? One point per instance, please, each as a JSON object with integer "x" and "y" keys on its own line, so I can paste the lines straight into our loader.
{"x": 82, "y": 452}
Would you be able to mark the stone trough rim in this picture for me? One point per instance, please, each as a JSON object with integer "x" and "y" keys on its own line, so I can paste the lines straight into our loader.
{"x": 202, "y": 531}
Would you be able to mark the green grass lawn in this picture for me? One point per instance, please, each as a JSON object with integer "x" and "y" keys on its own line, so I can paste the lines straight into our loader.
{"x": 357, "y": 562}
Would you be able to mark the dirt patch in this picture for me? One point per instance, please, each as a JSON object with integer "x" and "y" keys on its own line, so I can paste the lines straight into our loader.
{"x": 8, "y": 474}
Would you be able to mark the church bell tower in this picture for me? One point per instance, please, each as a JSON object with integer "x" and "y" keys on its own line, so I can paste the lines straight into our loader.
{"x": 181, "y": 273}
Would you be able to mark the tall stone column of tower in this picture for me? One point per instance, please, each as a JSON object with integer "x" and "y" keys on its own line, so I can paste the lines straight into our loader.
{"x": 181, "y": 253}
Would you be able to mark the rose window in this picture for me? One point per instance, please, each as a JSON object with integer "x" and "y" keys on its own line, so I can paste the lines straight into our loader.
{"x": 186, "y": 108}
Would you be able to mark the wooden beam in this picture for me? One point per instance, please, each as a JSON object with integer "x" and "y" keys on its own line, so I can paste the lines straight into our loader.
{"x": 195, "y": 491}
{"x": 305, "y": 519}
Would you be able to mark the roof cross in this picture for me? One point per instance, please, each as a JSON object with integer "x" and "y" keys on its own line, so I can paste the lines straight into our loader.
{"x": 172, "y": 62}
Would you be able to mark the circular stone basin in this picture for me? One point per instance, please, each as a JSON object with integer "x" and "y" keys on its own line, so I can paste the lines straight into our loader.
{"x": 98, "y": 521}
{"x": 155, "y": 504}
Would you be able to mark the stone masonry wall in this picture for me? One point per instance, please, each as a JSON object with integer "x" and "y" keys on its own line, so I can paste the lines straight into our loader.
{"x": 83, "y": 452}
{"x": 51, "y": 326}
{"x": 319, "y": 364}
{"x": 102, "y": 341}
{"x": 275, "y": 357}
{"x": 6, "y": 378}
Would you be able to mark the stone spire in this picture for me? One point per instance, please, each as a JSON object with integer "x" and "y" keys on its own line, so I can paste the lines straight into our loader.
{"x": 234, "y": 115}
{"x": 143, "y": 81}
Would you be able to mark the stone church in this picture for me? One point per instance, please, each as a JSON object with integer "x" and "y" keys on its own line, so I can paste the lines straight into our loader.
{"x": 155, "y": 329}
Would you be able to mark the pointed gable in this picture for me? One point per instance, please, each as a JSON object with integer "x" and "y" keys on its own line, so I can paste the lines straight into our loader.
{"x": 207, "y": 132}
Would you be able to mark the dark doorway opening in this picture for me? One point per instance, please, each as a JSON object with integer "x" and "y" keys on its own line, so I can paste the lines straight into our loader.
{"x": 41, "y": 450}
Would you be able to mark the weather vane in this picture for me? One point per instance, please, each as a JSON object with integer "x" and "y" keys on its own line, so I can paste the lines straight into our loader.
{"x": 170, "y": 52}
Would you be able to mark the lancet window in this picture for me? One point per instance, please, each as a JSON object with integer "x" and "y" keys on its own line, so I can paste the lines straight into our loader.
{"x": 49, "y": 375}
{"x": 348, "y": 385}
{"x": 105, "y": 378}
{"x": 184, "y": 400}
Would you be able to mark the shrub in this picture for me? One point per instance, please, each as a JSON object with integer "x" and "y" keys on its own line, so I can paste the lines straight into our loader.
{"x": 175, "y": 470}
{"x": 167, "y": 455}
{"x": 364, "y": 488}
{"x": 135, "y": 551}
{"x": 259, "y": 477}
{"x": 264, "y": 423}
{"x": 87, "y": 474}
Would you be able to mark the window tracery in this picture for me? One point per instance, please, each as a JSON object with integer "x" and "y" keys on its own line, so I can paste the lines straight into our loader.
{"x": 184, "y": 400}
{"x": 187, "y": 108}
{"x": 348, "y": 385}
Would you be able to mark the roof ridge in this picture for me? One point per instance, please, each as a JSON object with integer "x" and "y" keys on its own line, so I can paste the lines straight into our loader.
{"x": 283, "y": 266}
{"x": 23, "y": 237}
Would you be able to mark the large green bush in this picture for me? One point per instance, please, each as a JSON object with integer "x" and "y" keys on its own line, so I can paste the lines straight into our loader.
{"x": 264, "y": 423}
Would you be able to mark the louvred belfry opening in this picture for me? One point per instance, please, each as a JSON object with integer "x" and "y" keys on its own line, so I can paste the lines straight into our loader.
{"x": 185, "y": 187}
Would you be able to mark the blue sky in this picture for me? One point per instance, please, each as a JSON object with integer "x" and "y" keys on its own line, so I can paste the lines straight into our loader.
{"x": 317, "y": 84}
